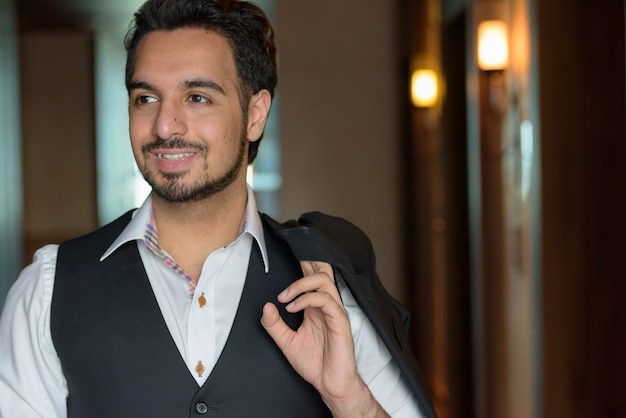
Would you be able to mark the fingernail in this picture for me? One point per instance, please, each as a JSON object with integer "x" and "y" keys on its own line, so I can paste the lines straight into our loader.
{"x": 283, "y": 294}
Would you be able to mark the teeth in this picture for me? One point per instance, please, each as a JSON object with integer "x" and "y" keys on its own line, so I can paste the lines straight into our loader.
{"x": 174, "y": 157}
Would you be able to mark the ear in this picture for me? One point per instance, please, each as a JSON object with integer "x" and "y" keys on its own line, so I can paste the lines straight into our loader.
{"x": 258, "y": 110}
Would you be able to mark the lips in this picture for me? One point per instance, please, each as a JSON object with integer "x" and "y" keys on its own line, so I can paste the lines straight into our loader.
{"x": 174, "y": 157}
{"x": 174, "y": 161}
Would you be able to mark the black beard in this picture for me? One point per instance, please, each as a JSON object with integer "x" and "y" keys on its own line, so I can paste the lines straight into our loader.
{"x": 174, "y": 192}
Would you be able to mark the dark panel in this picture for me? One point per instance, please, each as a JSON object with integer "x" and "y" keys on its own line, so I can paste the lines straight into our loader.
{"x": 583, "y": 146}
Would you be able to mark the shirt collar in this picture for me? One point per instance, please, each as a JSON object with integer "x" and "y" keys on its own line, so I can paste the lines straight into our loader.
{"x": 136, "y": 228}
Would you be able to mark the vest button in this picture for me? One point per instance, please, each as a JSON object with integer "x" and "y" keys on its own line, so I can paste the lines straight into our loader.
{"x": 201, "y": 408}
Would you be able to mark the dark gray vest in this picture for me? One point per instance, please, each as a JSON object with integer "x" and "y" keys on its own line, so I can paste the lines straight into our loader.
{"x": 120, "y": 361}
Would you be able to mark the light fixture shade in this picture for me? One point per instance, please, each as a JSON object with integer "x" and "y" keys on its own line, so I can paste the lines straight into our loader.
{"x": 424, "y": 89}
{"x": 493, "y": 46}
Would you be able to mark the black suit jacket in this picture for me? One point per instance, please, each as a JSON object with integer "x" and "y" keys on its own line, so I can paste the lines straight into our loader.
{"x": 319, "y": 237}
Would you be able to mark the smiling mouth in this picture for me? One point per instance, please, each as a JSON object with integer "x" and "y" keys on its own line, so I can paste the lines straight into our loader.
{"x": 174, "y": 157}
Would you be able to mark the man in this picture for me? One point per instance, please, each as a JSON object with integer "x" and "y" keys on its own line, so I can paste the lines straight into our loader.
{"x": 157, "y": 314}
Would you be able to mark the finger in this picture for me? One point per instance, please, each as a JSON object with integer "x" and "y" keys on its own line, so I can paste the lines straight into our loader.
{"x": 319, "y": 277}
{"x": 322, "y": 300}
{"x": 310, "y": 285}
{"x": 311, "y": 267}
{"x": 275, "y": 325}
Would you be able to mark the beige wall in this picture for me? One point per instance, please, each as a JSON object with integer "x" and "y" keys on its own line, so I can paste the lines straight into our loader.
{"x": 57, "y": 137}
{"x": 338, "y": 117}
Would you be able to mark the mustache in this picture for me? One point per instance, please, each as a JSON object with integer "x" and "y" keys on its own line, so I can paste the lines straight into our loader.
{"x": 174, "y": 143}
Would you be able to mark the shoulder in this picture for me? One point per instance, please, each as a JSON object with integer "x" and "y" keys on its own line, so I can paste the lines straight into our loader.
{"x": 28, "y": 301}
{"x": 318, "y": 228}
{"x": 343, "y": 232}
{"x": 36, "y": 279}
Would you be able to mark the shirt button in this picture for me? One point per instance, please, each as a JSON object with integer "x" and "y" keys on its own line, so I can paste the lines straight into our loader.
{"x": 200, "y": 368}
{"x": 202, "y": 300}
{"x": 201, "y": 408}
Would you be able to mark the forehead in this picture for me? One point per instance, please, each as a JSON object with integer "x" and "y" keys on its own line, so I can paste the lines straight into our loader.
{"x": 183, "y": 54}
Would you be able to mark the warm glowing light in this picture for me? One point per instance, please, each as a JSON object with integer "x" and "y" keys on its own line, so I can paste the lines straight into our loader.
{"x": 493, "y": 47}
{"x": 424, "y": 88}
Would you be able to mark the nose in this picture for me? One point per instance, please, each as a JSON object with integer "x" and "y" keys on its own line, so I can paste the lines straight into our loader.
{"x": 170, "y": 121}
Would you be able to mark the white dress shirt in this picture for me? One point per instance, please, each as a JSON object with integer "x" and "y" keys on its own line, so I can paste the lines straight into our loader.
{"x": 32, "y": 382}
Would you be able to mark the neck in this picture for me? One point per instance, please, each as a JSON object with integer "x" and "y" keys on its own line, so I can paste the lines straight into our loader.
{"x": 192, "y": 230}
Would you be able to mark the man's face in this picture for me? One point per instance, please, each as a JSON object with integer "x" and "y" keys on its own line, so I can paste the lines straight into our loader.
{"x": 186, "y": 126}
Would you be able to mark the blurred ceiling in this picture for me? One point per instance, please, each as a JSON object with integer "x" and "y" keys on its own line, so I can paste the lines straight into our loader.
{"x": 50, "y": 14}
{"x": 46, "y": 14}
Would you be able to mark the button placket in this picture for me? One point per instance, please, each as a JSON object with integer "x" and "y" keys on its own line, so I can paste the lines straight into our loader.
{"x": 200, "y": 336}
{"x": 201, "y": 325}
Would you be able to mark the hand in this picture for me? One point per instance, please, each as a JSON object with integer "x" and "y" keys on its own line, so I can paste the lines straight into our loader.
{"x": 322, "y": 349}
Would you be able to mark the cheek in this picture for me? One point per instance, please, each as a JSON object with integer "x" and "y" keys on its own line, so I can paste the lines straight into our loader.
{"x": 140, "y": 129}
{"x": 137, "y": 140}
{"x": 218, "y": 135}
{"x": 137, "y": 154}
{"x": 136, "y": 128}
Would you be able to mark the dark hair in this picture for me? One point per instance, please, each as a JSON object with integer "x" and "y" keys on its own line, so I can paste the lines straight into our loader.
{"x": 243, "y": 24}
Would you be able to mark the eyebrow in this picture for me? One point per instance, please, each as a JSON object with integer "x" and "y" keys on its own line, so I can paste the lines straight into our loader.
{"x": 189, "y": 84}
{"x": 136, "y": 85}
{"x": 204, "y": 83}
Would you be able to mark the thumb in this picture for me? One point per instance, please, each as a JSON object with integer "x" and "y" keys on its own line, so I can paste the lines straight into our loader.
{"x": 275, "y": 326}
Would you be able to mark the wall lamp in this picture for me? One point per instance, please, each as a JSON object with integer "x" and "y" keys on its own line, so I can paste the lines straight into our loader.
{"x": 424, "y": 88}
{"x": 493, "y": 45}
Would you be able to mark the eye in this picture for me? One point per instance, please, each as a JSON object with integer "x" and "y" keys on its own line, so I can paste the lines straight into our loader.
{"x": 142, "y": 99}
{"x": 197, "y": 98}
